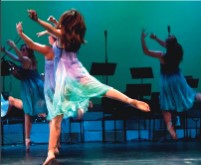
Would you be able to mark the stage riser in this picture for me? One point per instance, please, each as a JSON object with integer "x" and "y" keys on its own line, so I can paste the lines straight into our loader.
{"x": 89, "y": 130}
{"x": 93, "y": 136}
{"x": 40, "y": 133}
{"x": 12, "y": 134}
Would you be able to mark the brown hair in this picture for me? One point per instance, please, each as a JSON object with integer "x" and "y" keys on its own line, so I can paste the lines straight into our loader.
{"x": 73, "y": 30}
{"x": 174, "y": 54}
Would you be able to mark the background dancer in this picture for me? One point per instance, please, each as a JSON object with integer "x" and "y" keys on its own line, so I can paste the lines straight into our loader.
{"x": 175, "y": 94}
{"x": 32, "y": 86}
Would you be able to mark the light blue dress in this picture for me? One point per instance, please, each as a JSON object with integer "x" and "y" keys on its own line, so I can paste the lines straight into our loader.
{"x": 74, "y": 85}
{"x": 175, "y": 93}
{"x": 32, "y": 93}
{"x": 4, "y": 106}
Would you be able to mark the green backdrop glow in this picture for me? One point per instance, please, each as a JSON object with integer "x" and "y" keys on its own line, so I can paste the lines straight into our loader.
{"x": 123, "y": 22}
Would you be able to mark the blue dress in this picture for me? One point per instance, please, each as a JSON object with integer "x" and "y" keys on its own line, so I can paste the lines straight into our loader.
{"x": 4, "y": 106}
{"x": 74, "y": 85}
{"x": 175, "y": 93}
{"x": 32, "y": 93}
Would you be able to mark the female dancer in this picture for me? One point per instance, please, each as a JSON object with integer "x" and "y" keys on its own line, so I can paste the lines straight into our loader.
{"x": 175, "y": 93}
{"x": 47, "y": 52}
{"x": 31, "y": 86}
{"x": 74, "y": 85}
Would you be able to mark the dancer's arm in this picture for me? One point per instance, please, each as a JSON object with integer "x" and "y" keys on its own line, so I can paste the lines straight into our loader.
{"x": 19, "y": 57}
{"x": 155, "y": 54}
{"x": 51, "y": 29}
{"x": 42, "y": 33}
{"x": 10, "y": 54}
{"x": 53, "y": 20}
{"x": 25, "y": 61}
{"x": 43, "y": 49}
{"x": 50, "y": 19}
{"x": 161, "y": 42}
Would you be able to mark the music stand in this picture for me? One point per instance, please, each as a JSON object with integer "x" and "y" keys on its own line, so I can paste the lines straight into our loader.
{"x": 141, "y": 73}
{"x": 189, "y": 76}
{"x": 192, "y": 82}
{"x": 103, "y": 69}
{"x": 5, "y": 68}
{"x": 138, "y": 90}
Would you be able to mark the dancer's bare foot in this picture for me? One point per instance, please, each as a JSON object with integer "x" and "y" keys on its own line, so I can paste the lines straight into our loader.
{"x": 58, "y": 145}
{"x": 140, "y": 105}
{"x": 172, "y": 132}
{"x": 50, "y": 157}
{"x": 56, "y": 150}
{"x": 27, "y": 143}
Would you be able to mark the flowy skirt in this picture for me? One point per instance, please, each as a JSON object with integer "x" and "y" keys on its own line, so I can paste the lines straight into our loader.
{"x": 175, "y": 93}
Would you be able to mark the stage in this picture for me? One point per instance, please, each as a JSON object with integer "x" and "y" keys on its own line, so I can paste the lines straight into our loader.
{"x": 138, "y": 153}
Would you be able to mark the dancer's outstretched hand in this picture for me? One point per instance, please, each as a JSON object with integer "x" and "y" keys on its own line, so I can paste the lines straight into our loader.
{"x": 10, "y": 43}
{"x": 152, "y": 36}
{"x": 52, "y": 19}
{"x": 144, "y": 34}
{"x": 19, "y": 28}
{"x": 39, "y": 34}
{"x": 3, "y": 49}
{"x": 33, "y": 14}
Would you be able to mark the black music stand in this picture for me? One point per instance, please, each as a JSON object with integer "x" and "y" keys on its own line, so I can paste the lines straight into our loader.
{"x": 192, "y": 82}
{"x": 139, "y": 90}
{"x": 6, "y": 70}
{"x": 141, "y": 73}
{"x": 103, "y": 69}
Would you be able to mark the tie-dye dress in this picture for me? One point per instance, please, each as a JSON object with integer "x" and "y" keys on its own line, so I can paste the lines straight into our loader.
{"x": 74, "y": 85}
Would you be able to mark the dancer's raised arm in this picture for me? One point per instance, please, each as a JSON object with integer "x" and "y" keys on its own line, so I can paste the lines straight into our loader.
{"x": 33, "y": 15}
{"x": 152, "y": 53}
{"x": 161, "y": 42}
{"x": 43, "y": 49}
{"x": 10, "y": 54}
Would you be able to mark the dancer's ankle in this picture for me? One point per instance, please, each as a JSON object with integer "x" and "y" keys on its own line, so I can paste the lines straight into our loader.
{"x": 50, "y": 157}
{"x": 171, "y": 130}
{"x": 27, "y": 143}
{"x": 51, "y": 151}
{"x": 56, "y": 151}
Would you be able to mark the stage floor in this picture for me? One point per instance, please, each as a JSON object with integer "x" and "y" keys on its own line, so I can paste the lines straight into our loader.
{"x": 130, "y": 153}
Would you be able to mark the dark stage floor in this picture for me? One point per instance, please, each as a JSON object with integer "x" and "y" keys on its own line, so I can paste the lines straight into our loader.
{"x": 131, "y": 153}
